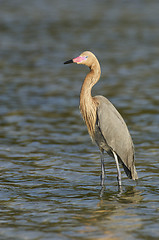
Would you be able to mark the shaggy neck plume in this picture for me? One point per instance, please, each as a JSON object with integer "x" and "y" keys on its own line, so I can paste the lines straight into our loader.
{"x": 88, "y": 105}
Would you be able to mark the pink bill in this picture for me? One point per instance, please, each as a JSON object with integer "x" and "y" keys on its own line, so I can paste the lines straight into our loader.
{"x": 79, "y": 59}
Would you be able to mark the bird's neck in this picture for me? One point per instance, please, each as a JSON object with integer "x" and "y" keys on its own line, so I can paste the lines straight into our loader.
{"x": 91, "y": 79}
{"x": 88, "y": 104}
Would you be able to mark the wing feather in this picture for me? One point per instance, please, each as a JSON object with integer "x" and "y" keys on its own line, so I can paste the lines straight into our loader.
{"x": 115, "y": 132}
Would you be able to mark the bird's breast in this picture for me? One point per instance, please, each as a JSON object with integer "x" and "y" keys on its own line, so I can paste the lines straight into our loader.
{"x": 88, "y": 111}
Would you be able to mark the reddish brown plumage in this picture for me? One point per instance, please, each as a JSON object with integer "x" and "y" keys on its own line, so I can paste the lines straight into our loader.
{"x": 88, "y": 104}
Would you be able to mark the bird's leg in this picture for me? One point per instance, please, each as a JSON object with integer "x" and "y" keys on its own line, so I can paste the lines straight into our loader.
{"x": 102, "y": 167}
{"x": 118, "y": 169}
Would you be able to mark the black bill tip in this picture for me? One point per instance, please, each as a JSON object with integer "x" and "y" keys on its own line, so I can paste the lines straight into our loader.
{"x": 69, "y": 61}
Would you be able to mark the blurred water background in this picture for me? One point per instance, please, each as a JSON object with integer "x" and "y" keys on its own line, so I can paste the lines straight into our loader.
{"x": 49, "y": 169}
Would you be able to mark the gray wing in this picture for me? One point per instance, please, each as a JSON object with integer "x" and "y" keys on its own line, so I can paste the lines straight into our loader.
{"x": 112, "y": 127}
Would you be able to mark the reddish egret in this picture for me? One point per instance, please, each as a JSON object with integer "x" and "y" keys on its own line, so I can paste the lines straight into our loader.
{"x": 105, "y": 125}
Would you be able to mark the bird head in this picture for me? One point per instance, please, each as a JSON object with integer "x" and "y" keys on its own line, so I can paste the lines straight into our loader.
{"x": 86, "y": 58}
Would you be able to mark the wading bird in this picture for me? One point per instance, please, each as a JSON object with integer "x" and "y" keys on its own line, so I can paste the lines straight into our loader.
{"x": 105, "y": 125}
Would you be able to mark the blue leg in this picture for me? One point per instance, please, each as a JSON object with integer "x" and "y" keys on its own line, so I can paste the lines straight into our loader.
{"x": 102, "y": 167}
{"x": 118, "y": 169}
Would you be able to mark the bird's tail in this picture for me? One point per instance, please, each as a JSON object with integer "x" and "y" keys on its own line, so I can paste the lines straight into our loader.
{"x": 131, "y": 173}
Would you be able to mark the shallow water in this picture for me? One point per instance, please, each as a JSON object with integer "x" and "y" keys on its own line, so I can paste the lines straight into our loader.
{"x": 49, "y": 167}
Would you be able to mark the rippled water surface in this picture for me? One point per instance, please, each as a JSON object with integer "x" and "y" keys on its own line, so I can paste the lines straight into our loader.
{"x": 49, "y": 169}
